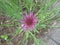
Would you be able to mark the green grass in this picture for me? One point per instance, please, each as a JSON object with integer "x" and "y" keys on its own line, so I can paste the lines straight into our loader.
{"x": 16, "y": 8}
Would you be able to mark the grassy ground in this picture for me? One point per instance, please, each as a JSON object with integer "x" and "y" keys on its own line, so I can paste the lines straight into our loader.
{"x": 11, "y": 32}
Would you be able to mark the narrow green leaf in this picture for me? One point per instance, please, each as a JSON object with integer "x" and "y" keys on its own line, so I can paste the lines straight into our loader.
{"x": 5, "y": 37}
{"x": 36, "y": 41}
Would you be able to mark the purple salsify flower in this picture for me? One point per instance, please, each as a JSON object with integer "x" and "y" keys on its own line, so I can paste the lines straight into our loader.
{"x": 28, "y": 21}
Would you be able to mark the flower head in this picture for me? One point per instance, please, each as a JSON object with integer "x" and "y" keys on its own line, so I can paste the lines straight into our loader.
{"x": 28, "y": 21}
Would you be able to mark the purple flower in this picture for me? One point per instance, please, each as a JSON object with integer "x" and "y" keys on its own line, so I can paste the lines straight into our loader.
{"x": 28, "y": 21}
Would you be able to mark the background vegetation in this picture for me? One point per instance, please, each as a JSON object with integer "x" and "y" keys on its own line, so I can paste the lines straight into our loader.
{"x": 14, "y": 9}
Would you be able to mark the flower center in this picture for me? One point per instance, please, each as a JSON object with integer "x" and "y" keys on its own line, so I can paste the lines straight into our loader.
{"x": 29, "y": 21}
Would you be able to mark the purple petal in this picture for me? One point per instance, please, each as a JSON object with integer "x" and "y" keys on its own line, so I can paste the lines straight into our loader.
{"x": 35, "y": 21}
{"x": 25, "y": 16}
{"x": 31, "y": 14}
{"x": 32, "y": 27}
{"x": 24, "y": 26}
